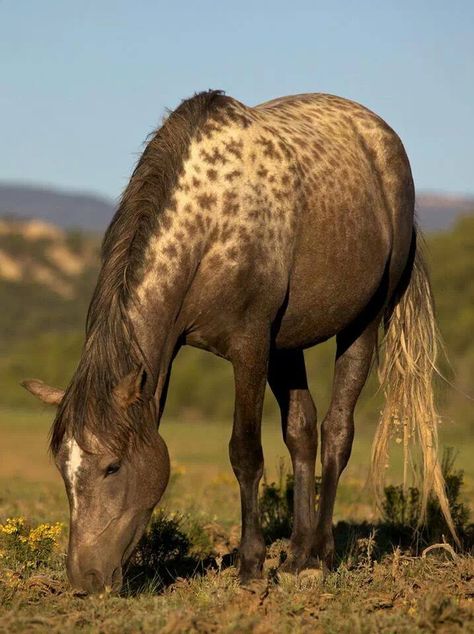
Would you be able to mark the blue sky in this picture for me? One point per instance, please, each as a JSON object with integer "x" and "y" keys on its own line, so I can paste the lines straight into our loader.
{"x": 83, "y": 83}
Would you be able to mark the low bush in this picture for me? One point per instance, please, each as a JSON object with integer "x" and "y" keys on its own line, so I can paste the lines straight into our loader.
{"x": 28, "y": 548}
{"x": 401, "y": 509}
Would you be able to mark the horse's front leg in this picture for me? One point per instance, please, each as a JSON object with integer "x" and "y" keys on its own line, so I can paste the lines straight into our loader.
{"x": 250, "y": 362}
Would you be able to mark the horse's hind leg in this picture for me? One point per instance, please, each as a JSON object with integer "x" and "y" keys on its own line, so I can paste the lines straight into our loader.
{"x": 287, "y": 379}
{"x": 353, "y": 358}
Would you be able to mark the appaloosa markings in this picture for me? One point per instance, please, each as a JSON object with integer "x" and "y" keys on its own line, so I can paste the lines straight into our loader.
{"x": 253, "y": 233}
{"x": 219, "y": 210}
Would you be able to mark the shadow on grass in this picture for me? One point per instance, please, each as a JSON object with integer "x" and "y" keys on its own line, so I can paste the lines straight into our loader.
{"x": 164, "y": 555}
{"x": 386, "y": 537}
{"x": 400, "y": 525}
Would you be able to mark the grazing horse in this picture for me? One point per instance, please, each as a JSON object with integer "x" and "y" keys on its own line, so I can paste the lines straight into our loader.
{"x": 254, "y": 233}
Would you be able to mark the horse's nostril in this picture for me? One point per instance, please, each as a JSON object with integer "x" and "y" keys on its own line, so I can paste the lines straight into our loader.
{"x": 94, "y": 581}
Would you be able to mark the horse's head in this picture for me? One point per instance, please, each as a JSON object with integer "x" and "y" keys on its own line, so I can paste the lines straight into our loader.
{"x": 111, "y": 493}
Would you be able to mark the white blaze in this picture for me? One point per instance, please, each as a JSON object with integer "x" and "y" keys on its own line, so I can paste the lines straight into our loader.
{"x": 73, "y": 465}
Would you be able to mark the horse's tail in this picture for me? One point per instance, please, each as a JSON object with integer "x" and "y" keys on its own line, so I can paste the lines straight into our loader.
{"x": 406, "y": 371}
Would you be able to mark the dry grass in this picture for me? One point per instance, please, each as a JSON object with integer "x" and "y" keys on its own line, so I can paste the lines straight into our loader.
{"x": 398, "y": 594}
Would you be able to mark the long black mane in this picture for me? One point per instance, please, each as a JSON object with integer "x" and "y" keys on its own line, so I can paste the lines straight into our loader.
{"x": 111, "y": 349}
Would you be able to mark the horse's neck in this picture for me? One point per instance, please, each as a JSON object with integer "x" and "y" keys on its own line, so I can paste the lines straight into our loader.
{"x": 157, "y": 299}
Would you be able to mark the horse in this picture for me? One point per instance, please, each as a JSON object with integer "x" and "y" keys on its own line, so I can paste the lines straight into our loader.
{"x": 253, "y": 233}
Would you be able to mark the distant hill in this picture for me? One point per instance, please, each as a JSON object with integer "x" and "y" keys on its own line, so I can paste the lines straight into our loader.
{"x": 438, "y": 212}
{"x": 36, "y": 252}
{"x": 46, "y": 279}
{"x": 90, "y": 212}
{"x": 70, "y": 210}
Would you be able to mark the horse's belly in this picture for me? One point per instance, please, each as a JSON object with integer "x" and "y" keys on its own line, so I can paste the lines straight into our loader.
{"x": 331, "y": 283}
{"x": 315, "y": 318}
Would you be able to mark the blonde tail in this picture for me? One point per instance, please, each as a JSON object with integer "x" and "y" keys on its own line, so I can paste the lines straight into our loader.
{"x": 405, "y": 372}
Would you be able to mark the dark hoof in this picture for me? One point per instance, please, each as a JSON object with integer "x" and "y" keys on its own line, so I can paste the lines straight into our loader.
{"x": 307, "y": 573}
{"x": 299, "y": 560}
{"x": 256, "y": 587}
{"x": 324, "y": 552}
{"x": 248, "y": 574}
{"x": 326, "y": 560}
{"x": 294, "y": 564}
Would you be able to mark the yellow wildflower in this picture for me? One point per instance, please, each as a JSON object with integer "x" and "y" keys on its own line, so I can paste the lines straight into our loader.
{"x": 44, "y": 532}
{"x": 13, "y": 526}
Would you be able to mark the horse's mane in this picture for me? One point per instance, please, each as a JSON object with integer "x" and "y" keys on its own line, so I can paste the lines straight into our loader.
{"x": 111, "y": 349}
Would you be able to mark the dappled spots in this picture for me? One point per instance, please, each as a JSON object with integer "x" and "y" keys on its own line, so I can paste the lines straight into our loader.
{"x": 269, "y": 147}
{"x": 206, "y": 201}
{"x": 171, "y": 250}
{"x": 250, "y": 177}
{"x": 213, "y": 156}
{"x": 234, "y": 147}
{"x": 230, "y": 176}
{"x": 230, "y": 202}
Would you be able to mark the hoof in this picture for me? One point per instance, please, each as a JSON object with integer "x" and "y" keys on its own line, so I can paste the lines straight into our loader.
{"x": 323, "y": 549}
{"x": 247, "y": 575}
{"x": 294, "y": 565}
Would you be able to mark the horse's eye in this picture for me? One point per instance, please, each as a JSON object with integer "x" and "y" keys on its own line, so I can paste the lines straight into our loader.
{"x": 112, "y": 468}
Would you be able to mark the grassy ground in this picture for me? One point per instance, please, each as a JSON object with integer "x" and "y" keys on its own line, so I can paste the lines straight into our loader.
{"x": 369, "y": 592}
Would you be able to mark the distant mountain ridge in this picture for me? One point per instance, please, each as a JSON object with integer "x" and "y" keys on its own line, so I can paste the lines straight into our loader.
{"x": 69, "y": 210}
{"x": 92, "y": 212}
{"x": 438, "y": 211}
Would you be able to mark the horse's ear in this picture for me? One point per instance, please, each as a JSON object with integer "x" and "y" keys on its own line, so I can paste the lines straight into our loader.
{"x": 130, "y": 389}
{"x": 45, "y": 393}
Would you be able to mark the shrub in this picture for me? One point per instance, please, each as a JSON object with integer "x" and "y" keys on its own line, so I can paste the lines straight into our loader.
{"x": 401, "y": 510}
{"x": 163, "y": 554}
{"x": 26, "y": 547}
